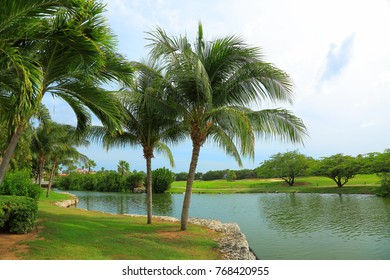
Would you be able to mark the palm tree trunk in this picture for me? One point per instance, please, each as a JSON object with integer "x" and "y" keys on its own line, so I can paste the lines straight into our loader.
{"x": 41, "y": 166}
{"x": 10, "y": 150}
{"x": 53, "y": 171}
{"x": 149, "y": 188}
{"x": 190, "y": 181}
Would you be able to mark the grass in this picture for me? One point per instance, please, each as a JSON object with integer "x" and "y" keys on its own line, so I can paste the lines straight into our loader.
{"x": 71, "y": 233}
{"x": 361, "y": 184}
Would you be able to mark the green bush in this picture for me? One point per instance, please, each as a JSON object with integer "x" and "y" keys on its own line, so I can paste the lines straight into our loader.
{"x": 384, "y": 189}
{"x": 17, "y": 214}
{"x": 134, "y": 180}
{"x": 19, "y": 183}
{"x": 162, "y": 179}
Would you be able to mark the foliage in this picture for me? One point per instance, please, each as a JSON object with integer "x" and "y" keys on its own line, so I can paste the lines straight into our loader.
{"x": 286, "y": 166}
{"x": 109, "y": 181}
{"x": 384, "y": 189}
{"x": 62, "y": 48}
{"x": 19, "y": 183}
{"x": 134, "y": 180}
{"x": 339, "y": 168}
{"x": 214, "y": 175}
{"x": 162, "y": 179}
{"x": 182, "y": 176}
{"x": 231, "y": 176}
{"x": 17, "y": 214}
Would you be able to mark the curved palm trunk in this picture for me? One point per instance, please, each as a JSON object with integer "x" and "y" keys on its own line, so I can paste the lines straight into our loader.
{"x": 10, "y": 150}
{"x": 190, "y": 181}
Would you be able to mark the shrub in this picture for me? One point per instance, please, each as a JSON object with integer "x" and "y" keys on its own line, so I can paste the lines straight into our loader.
{"x": 134, "y": 180}
{"x": 17, "y": 213}
{"x": 19, "y": 183}
{"x": 384, "y": 189}
{"x": 162, "y": 179}
{"x": 110, "y": 182}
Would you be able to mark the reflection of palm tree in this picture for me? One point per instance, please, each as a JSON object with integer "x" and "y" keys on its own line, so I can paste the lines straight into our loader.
{"x": 65, "y": 50}
{"x": 150, "y": 120}
{"x": 215, "y": 83}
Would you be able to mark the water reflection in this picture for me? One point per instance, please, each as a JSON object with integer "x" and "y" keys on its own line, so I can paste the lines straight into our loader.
{"x": 347, "y": 216}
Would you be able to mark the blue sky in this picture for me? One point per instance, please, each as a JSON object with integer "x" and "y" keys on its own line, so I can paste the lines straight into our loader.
{"x": 337, "y": 53}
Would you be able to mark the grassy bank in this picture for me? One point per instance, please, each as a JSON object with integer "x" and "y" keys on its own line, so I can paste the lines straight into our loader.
{"x": 361, "y": 184}
{"x": 88, "y": 235}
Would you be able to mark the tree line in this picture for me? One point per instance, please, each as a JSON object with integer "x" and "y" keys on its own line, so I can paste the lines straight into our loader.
{"x": 198, "y": 90}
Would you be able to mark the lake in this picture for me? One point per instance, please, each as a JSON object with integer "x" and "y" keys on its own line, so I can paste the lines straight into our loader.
{"x": 277, "y": 226}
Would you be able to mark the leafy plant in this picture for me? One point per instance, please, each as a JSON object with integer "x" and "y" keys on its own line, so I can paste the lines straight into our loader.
{"x": 162, "y": 179}
{"x": 384, "y": 189}
{"x": 17, "y": 213}
{"x": 19, "y": 183}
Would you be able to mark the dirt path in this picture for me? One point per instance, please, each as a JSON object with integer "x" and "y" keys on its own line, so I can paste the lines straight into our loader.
{"x": 11, "y": 245}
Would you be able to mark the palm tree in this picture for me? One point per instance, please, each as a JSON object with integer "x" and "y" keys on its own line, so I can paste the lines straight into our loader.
{"x": 123, "y": 167}
{"x": 63, "y": 49}
{"x": 215, "y": 83}
{"x": 65, "y": 151}
{"x": 89, "y": 164}
{"x": 150, "y": 120}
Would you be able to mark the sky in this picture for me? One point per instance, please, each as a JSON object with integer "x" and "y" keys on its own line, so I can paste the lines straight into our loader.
{"x": 337, "y": 53}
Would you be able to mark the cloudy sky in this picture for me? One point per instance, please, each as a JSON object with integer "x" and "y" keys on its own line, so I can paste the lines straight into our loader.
{"x": 336, "y": 51}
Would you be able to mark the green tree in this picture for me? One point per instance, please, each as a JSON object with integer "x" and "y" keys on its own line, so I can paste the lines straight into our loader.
{"x": 64, "y": 48}
{"x": 123, "y": 167}
{"x": 231, "y": 176}
{"x": 339, "y": 168}
{"x": 150, "y": 120}
{"x": 215, "y": 83}
{"x": 286, "y": 166}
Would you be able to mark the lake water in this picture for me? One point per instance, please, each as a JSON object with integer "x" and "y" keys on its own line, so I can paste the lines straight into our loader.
{"x": 278, "y": 226}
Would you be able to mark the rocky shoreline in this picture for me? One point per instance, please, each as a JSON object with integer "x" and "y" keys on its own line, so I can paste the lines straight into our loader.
{"x": 232, "y": 242}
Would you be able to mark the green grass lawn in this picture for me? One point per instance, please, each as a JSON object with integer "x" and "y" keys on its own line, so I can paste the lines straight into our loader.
{"x": 361, "y": 184}
{"x": 71, "y": 233}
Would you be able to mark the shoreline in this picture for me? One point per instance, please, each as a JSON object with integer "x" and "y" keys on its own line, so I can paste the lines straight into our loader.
{"x": 232, "y": 243}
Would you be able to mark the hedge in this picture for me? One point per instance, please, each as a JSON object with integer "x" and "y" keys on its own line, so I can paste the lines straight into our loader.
{"x": 19, "y": 183}
{"x": 17, "y": 213}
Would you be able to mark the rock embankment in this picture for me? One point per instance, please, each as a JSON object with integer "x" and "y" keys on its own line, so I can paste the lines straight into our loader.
{"x": 67, "y": 203}
{"x": 232, "y": 242}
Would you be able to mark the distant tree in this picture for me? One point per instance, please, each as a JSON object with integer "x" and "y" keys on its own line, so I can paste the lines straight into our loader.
{"x": 182, "y": 176}
{"x": 231, "y": 176}
{"x": 123, "y": 167}
{"x": 214, "y": 175}
{"x": 286, "y": 166}
{"x": 245, "y": 174}
{"x": 339, "y": 168}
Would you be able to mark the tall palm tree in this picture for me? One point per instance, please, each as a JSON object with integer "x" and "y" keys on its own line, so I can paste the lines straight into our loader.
{"x": 68, "y": 52}
{"x": 150, "y": 120}
{"x": 215, "y": 84}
